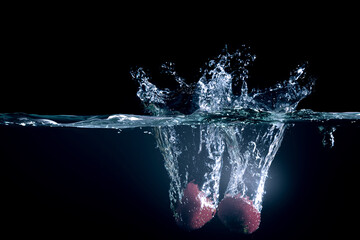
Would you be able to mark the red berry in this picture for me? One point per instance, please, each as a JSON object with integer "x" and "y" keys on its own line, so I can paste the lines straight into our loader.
{"x": 194, "y": 209}
{"x": 239, "y": 214}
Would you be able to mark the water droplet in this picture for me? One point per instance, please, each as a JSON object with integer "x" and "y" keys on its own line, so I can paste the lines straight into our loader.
{"x": 328, "y": 136}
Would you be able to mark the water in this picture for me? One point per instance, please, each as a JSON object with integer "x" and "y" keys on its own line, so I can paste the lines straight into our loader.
{"x": 218, "y": 140}
{"x": 228, "y": 117}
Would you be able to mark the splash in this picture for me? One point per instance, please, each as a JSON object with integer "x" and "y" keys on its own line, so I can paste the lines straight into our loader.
{"x": 199, "y": 155}
{"x": 223, "y": 85}
{"x": 218, "y": 137}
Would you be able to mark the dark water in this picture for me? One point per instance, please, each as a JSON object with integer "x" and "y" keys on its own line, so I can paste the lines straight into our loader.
{"x": 98, "y": 181}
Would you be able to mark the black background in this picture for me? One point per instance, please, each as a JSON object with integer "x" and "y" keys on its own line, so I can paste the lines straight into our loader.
{"x": 76, "y": 60}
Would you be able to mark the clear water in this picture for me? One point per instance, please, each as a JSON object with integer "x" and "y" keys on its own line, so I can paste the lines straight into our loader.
{"x": 215, "y": 132}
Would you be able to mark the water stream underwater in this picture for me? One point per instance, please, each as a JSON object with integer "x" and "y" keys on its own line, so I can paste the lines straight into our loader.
{"x": 213, "y": 131}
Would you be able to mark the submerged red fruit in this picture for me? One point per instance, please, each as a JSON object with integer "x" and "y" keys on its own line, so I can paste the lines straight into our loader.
{"x": 194, "y": 209}
{"x": 239, "y": 214}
